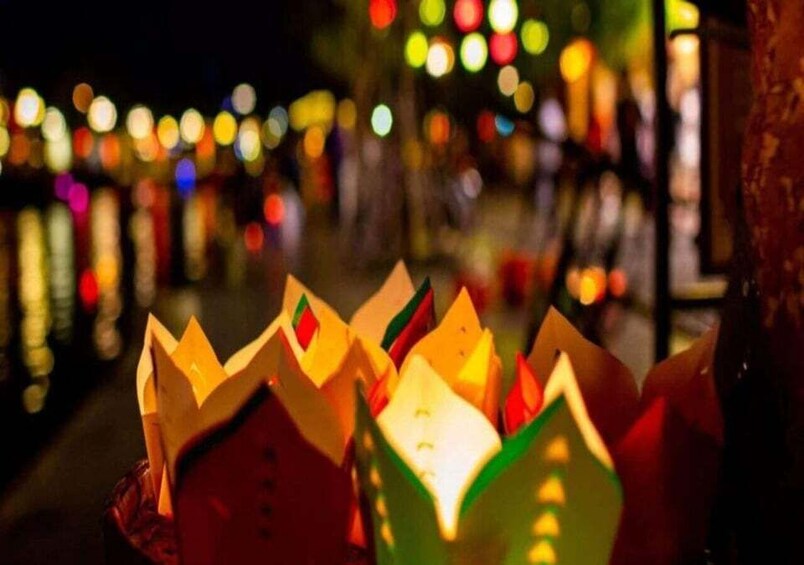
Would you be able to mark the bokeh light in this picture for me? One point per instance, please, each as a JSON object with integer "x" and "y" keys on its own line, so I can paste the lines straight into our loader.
{"x": 474, "y": 52}
{"x": 249, "y": 145}
{"x": 508, "y": 80}
{"x": 468, "y": 15}
{"x": 347, "y": 114}
{"x": 274, "y": 209}
{"x": 102, "y": 115}
{"x": 83, "y": 95}
{"x": 382, "y": 120}
{"x": 5, "y": 141}
{"x": 192, "y": 126}
{"x": 278, "y": 120}
{"x": 503, "y": 48}
{"x": 253, "y": 237}
{"x": 486, "y": 128}
{"x": 552, "y": 121}
{"x": 437, "y": 126}
{"x": 224, "y": 128}
{"x": 382, "y": 13}
{"x": 503, "y": 15}
{"x": 524, "y": 97}
{"x": 505, "y": 127}
{"x": 416, "y": 49}
{"x": 535, "y": 36}
{"x": 440, "y": 58}
{"x": 314, "y": 141}
{"x": 54, "y": 126}
{"x": 59, "y": 154}
{"x": 139, "y": 122}
{"x": 244, "y": 99}
{"x": 29, "y": 109}
{"x": 185, "y": 177}
{"x": 432, "y": 12}
{"x": 167, "y": 131}
{"x": 576, "y": 59}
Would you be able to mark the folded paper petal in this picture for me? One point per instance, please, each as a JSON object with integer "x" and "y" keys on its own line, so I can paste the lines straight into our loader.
{"x": 525, "y": 399}
{"x": 608, "y": 387}
{"x": 372, "y": 318}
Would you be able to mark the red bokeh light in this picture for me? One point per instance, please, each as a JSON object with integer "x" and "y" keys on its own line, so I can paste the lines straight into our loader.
{"x": 486, "y": 129}
{"x": 83, "y": 142}
{"x": 88, "y": 289}
{"x": 274, "y": 209}
{"x": 503, "y": 48}
{"x": 382, "y": 13}
{"x": 254, "y": 237}
{"x": 468, "y": 15}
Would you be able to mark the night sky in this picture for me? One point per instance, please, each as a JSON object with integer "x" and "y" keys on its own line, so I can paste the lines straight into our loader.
{"x": 168, "y": 54}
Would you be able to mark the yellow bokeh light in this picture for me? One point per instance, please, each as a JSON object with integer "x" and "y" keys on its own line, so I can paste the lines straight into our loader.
{"x": 248, "y": 140}
{"x": 83, "y": 95}
{"x": 147, "y": 148}
{"x": 192, "y": 126}
{"x": 59, "y": 154}
{"x": 167, "y": 131}
{"x": 508, "y": 80}
{"x": 102, "y": 115}
{"x": 524, "y": 97}
{"x": 432, "y": 12}
{"x": 416, "y": 48}
{"x": 474, "y": 52}
{"x": 347, "y": 114}
{"x": 575, "y": 60}
{"x": 503, "y": 15}
{"x": 535, "y": 36}
{"x": 54, "y": 126}
{"x": 29, "y": 110}
{"x": 5, "y": 141}
{"x": 314, "y": 140}
{"x": 224, "y": 128}
{"x": 4, "y": 112}
{"x": 440, "y": 59}
{"x": 244, "y": 98}
{"x": 140, "y": 122}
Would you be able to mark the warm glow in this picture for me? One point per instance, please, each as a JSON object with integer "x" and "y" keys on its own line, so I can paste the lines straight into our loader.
{"x": 382, "y": 120}
{"x": 54, "y": 126}
{"x": 524, "y": 97}
{"x": 557, "y": 451}
{"x": 140, "y": 122}
{"x": 552, "y": 492}
{"x": 102, "y": 115}
{"x": 167, "y": 131}
{"x": 437, "y": 127}
{"x": 508, "y": 80}
{"x": 503, "y": 15}
{"x": 314, "y": 140}
{"x": 440, "y": 58}
{"x": 347, "y": 114}
{"x": 253, "y": 237}
{"x": 575, "y": 60}
{"x": 192, "y": 126}
{"x": 29, "y": 110}
{"x": 248, "y": 140}
{"x": 83, "y": 96}
{"x": 468, "y": 15}
{"x": 274, "y": 209}
{"x": 474, "y": 52}
{"x": 382, "y": 13}
{"x": 59, "y": 154}
{"x": 5, "y": 141}
{"x": 542, "y": 553}
{"x": 416, "y": 49}
{"x": 503, "y": 48}
{"x": 224, "y": 128}
{"x": 535, "y": 36}
{"x": 432, "y": 12}
{"x": 547, "y": 525}
{"x": 244, "y": 98}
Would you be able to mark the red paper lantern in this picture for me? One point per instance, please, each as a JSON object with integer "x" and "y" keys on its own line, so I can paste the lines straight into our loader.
{"x": 382, "y": 13}
{"x": 503, "y": 48}
{"x": 468, "y": 15}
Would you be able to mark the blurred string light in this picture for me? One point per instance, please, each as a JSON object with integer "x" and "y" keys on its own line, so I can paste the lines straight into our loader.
{"x": 83, "y": 95}
{"x": 314, "y": 141}
{"x": 83, "y": 142}
{"x": 61, "y": 269}
{"x": 192, "y": 126}
{"x": 552, "y": 121}
{"x": 468, "y": 15}
{"x": 5, "y": 141}
{"x": 524, "y": 97}
{"x": 347, "y": 114}
{"x": 535, "y": 36}
{"x": 29, "y": 109}
{"x": 382, "y": 120}
{"x": 505, "y": 127}
{"x": 249, "y": 145}
{"x": 54, "y": 126}
{"x": 167, "y": 131}
{"x": 474, "y": 52}
{"x": 440, "y": 58}
{"x": 139, "y": 122}
{"x": 185, "y": 177}
{"x": 244, "y": 99}
{"x": 416, "y": 49}
{"x": 508, "y": 80}
{"x": 224, "y": 128}
{"x": 278, "y": 121}
{"x": 382, "y": 13}
{"x": 59, "y": 154}
{"x": 437, "y": 127}
{"x": 503, "y": 48}
{"x": 102, "y": 115}
{"x": 575, "y": 60}
{"x": 503, "y": 15}
{"x": 315, "y": 108}
{"x": 110, "y": 151}
{"x": 432, "y": 12}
